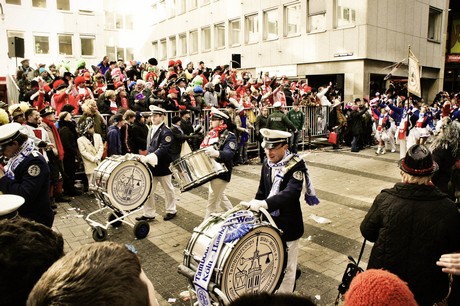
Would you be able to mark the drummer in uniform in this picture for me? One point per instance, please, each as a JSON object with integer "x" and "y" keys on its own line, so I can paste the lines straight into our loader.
{"x": 283, "y": 175}
{"x": 26, "y": 174}
{"x": 220, "y": 144}
{"x": 158, "y": 158}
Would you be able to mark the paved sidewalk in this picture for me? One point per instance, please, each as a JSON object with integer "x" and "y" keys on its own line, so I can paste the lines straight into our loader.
{"x": 345, "y": 182}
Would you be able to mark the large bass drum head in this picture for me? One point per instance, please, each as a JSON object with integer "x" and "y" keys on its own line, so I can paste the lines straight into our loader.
{"x": 129, "y": 184}
{"x": 256, "y": 263}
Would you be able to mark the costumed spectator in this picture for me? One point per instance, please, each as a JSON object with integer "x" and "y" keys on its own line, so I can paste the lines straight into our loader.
{"x": 446, "y": 153}
{"x": 424, "y": 125}
{"x": 210, "y": 99}
{"x": 90, "y": 110}
{"x": 378, "y": 287}
{"x": 178, "y": 139}
{"x": 281, "y": 181}
{"x": 91, "y": 147}
{"x": 186, "y": 126}
{"x": 261, "y": 122}
{"x": 220, "y": 144}
{"x": 405, "y": 113}
{"x": 62, "y": 96}
{"x": 243, "y": 126}
{"x": 69, "y": 136}
{"x": 383, "y": 133}
{"x": 337, "y": 123}
{"x": 26, "y": 69}
{"x": 278, "y": 120}
{"x": 104, "y": 64}
{"x": 107, "y": 103}
{"x": 108, "y": 75}
{"x": 27, "y": 250}
{"x": 113, "y": 136}
{"x": 138, "y": 135}
{"x": 356, "y": 126}
{"x": 139, "y": 98}
{"x": 105, "y": 273}
{"x": 26, "y": 174}
{"x": 80, "y": 92}
{"x": 297, "y": 118}
{"x": 320, "y": 95}
{"x": 35, "y": 131}
{"x": 158, "y": 159}
{"x": 412, "y": 225}
{"x": 125, "y": 132}
{"x": 17, "y": 112}
{"x": 55, "y": 155}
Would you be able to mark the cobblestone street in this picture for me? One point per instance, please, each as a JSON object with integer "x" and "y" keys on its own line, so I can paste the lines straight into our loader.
{"x": 345, "y": 182}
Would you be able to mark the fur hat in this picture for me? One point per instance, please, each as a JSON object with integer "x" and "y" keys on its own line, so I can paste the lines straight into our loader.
{"x": 378, "y": 287}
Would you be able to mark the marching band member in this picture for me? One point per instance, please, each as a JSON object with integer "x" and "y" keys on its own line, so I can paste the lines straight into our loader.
{"x": 221, "y": 145}
{"x": 158, "y": 159}
{"x": 424, "y": 125}
{"x": 383, "y": 134}
{"x": 280, "y": 187}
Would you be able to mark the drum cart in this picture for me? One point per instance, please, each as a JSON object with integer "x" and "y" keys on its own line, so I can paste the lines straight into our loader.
{"x": 116, "y": 218}
{"x": 121, "y": 185}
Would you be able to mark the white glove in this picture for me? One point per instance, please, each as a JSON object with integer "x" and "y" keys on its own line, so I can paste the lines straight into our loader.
{"x": 211, "y": 152}
{"x": 151, "y": 159}
{"x": 255, "y": 205}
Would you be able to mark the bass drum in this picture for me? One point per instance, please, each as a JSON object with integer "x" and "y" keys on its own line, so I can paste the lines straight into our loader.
{"x": 253, "y": 263}
{"x": 126, "y": 181}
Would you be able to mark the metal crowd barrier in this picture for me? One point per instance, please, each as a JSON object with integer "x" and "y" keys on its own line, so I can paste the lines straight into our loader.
{"x": 315, "y": 126}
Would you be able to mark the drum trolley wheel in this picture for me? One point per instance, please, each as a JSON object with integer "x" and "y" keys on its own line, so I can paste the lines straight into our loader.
{"x": 116, "y": 218}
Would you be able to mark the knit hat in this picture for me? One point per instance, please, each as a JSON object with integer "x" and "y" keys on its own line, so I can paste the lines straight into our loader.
{"x": 378, "y": 287}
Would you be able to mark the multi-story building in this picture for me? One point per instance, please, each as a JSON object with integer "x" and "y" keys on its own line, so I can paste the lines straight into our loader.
{"x": 349, "y": 42}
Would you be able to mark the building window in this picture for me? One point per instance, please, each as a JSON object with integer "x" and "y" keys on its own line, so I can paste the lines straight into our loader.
{"x": 87, "y": 46}
{"x": 345, "y": 13}
{"x": 129, "y": 54}
{"x": 63, "y": 5}
{"x": 15, "y": 2}
{"x": 163, "y": 49}
{"x": 171, "y": 8}
{"x": 109, "y": 20}
{"x": 42, "y": 45}
{"x": 119, "y": 22}
{"x": 292, "y": 19}
{"x": 234, "y": 32}
{"x": 155, "y": 48}
{"x": 206, "y": 39}
{"x": 172, "y": 46}
{"x": 110, "y": 51}
{"x": 193, "y": 46}
{"x": 65, "y": 44}
{"x": 434, "y": 24}
{"x": 316, "y": 15}
{"x": 271, "y": 24}
{"x": 205, "y": 2}
{"x": 181, "y": 6}
{"x": 251, "y": 29}
{"x": 182, "y": 44}
{"x": 120, "y": 53}
{"x": 219, "y": 35}
{"x": 39, "y": 3}
{"x": 193, "y": 4}
{"x": 129, "y": 24}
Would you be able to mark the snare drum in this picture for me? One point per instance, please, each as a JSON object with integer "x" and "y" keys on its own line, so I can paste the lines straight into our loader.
{"x": 195, "y": 169}
{"x": 252, "y": 263}
{"x": 127, "y": 182}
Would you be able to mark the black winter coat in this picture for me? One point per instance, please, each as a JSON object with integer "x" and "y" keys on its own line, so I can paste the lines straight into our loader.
{"x": 412, "y": 226}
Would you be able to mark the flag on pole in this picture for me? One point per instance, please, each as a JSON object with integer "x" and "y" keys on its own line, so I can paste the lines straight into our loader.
{"x": 395, "y": 67}
{"x": 413, "y": 82}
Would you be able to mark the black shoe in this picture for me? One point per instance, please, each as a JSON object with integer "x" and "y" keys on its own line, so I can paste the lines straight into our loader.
{"x": 63, "y": 198}
{"x": 169, "y": 216}
{"x": 144, "y": 218}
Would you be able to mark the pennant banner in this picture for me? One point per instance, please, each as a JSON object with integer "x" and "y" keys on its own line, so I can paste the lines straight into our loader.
{"x": 393, "y": 70}
{"x": 413, "y": 82}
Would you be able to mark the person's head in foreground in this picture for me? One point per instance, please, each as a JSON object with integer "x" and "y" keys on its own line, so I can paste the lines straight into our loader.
{"x": 27, "y": 250}
{"x": 104, "y": 273}
{"x": 376, "y": 287}
{"x": 417, "y": 167}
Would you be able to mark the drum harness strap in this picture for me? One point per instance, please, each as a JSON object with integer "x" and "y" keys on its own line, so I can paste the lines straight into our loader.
{"x": 236, "y": 225}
